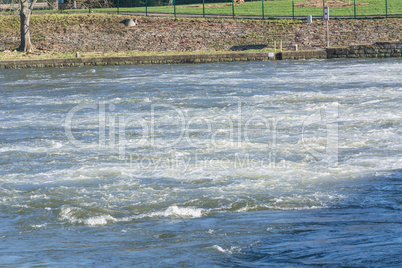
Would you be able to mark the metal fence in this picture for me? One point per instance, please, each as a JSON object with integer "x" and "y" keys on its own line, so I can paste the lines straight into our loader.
{"x": 14, "y": 5}
{"x": 263, "y": 8}
{"x": 222, "y": 8}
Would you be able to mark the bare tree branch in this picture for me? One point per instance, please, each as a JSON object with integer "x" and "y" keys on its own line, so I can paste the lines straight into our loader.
{"x": 32, "y": 4}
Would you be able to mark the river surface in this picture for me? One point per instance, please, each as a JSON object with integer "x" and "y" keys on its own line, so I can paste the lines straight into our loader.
{"x": 290, "y": 163}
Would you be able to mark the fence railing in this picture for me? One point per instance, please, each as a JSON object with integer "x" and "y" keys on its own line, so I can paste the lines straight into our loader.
{"x": 223, "y": 8}
{"x": 13, "y": 5}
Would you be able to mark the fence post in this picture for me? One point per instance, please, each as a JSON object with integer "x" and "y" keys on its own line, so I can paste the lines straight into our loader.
{"x": 293, "y": 9}
{"x": 262, "y": 1}
{"x": 146, "y": 8}
{"x": 233, "y": 15}
{"x": 174, "y": 8}
{"x": 118, "y": 6}
{"x": 386, "y": 8}
{"x": 354, "y": 8}
{"x": 89, "y": 6}
{"x": 203, "y": 8}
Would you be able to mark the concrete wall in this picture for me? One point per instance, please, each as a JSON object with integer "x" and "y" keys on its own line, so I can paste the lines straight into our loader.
{"x": 161, "y": 59}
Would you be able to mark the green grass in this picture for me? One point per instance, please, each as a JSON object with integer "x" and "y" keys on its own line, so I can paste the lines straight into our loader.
{"x": 272, "y": 8}
{"x": 278, "y": 8}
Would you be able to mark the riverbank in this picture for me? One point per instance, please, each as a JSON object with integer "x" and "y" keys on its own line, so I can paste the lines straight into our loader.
{"x": 58, "y": 38}
{"x": 60, "y": 33}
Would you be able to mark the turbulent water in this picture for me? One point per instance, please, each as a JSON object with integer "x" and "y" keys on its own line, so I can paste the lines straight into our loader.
{"x": 233, "y": 164}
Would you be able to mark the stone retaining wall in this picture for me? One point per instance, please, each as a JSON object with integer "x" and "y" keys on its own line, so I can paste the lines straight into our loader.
{"x": 376, "y": 50}
{"x": 302, "y": 55}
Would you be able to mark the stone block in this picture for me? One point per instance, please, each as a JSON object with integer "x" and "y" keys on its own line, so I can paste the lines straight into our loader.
{"x": 342, "y": 52}
{"x": 370, "y": 50}
{"x": 389, "y": 46}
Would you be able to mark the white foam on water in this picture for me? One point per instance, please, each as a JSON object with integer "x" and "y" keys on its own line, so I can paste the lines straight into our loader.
{"x": 179, "y": 212}
{"x": 76, "y": 215}
{"x": 173, "y": 212}
{"x": 38, "y": 226}
{"x": 99, "y": 220}
{"x": 230, "y": 250}
{"x": 39, "y": 147}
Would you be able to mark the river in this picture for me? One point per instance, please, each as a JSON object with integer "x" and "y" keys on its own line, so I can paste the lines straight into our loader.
{"x": 289, "y": 163}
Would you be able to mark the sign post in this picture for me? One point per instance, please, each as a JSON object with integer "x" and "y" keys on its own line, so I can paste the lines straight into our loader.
{"x": 326, "y": 19}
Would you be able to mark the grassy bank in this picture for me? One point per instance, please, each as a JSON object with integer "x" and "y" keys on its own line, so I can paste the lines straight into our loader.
{"x": 270, "y": 8}
{"x": 62, "y": 35}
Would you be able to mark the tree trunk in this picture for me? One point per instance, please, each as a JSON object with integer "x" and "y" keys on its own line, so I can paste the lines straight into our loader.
{"x": 25, "y": 14}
